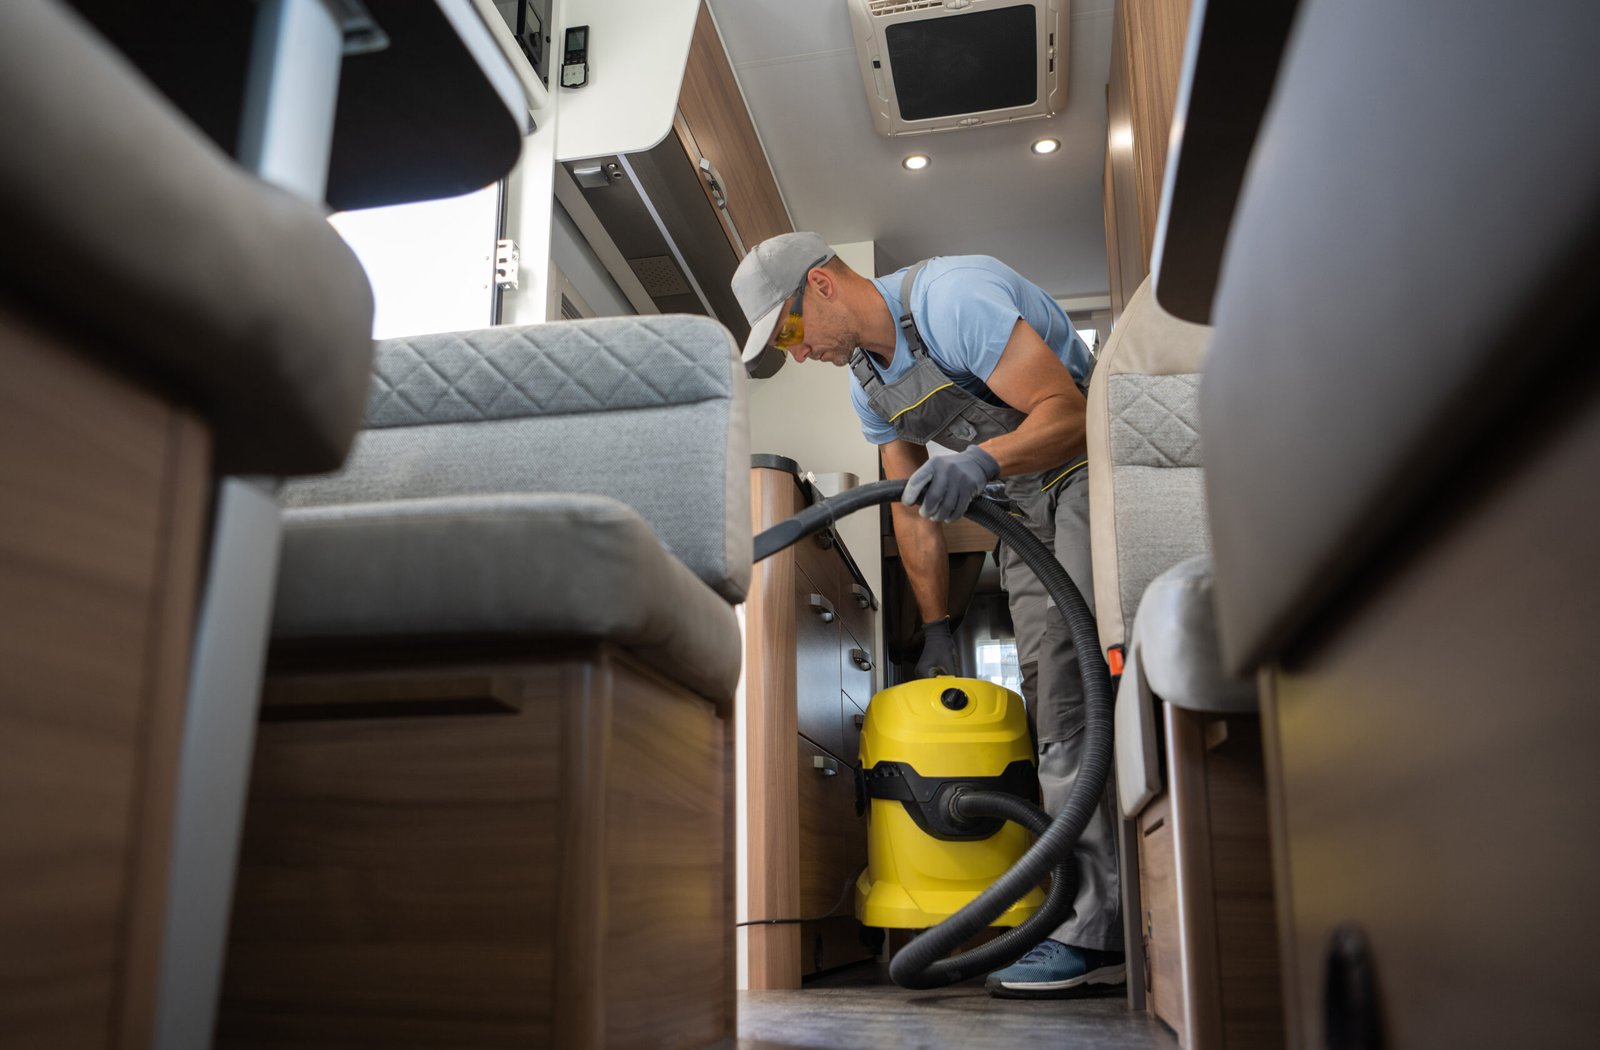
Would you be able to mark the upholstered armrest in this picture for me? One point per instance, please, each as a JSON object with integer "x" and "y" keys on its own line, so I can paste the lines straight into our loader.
{"x": 649, "y": 411}
{"x": 128, "y": 228}
{"x": 1173, "y": 656}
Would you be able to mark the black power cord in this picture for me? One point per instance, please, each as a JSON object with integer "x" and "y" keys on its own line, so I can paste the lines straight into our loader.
{"x": 831, "y": 912}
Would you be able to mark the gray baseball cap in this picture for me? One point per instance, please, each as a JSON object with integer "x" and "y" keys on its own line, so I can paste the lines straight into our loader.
{"x": 771, "y": 272}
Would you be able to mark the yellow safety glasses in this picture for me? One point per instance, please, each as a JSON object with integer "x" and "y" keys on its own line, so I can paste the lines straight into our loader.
{"x": 793, "y": 328}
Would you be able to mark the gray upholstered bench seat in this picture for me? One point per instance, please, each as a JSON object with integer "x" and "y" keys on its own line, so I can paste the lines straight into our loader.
{"x": 578, "y": 480}
{"x": 503, "y": 569}
{"x": 1173, "y": 656}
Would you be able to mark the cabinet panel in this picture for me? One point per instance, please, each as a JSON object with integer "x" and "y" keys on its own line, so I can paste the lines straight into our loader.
{"x": 816, "y": 659}
{"x": 855, "y": 610}
{"x": 856, "y": 661}
{"x": 1158, "y": 891}
{"x": 719, "y": 128}
{"x": 852, "y": 714}
{"x": 833, "y": 840}
{"x": 833, "y": 847}
{"x": 817, "y": 558}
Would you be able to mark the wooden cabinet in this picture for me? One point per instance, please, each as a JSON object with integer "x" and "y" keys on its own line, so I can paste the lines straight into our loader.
{"x": 716, "y": 132}
{"x": 1206, "y": 921}
{"x": 1146, "y": 61}
{"x": 809, "y": 655}
{"x": 507, "y": 854}
{"x": 683, "y": 213}
{"x": 103, "y": 491}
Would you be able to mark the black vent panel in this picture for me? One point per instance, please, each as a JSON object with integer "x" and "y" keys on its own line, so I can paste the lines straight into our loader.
{"x": 968, "y": 63}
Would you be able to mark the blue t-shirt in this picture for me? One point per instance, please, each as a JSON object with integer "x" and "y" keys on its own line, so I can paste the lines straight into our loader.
{"x": 966, "y": 307}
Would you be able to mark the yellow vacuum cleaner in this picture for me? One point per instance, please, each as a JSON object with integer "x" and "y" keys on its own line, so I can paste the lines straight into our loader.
{"x": 922, "y": 743}
{"x": 935, "y": 758}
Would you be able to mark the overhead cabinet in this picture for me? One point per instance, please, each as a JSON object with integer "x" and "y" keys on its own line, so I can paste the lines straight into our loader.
{"x": 683, "y": 213}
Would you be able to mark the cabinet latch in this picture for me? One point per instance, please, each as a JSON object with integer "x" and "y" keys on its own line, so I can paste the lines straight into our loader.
{"x": 507, "y": 260}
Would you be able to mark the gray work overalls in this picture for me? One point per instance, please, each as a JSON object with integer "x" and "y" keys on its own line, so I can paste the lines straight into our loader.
{"x": 926, "y": 405}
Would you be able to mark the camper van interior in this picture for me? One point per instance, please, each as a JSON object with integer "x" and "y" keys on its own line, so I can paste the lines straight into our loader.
{"x": 799, "y": 524}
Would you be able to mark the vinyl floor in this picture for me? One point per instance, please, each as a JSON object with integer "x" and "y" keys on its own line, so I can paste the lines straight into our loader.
{"x": 859, "y": 1009}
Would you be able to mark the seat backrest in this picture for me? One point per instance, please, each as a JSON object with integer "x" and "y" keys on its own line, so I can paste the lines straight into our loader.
{"x": 1392, "y": 298}
{"x": 647, "y": 410}
{"x": 1146, "y": 499}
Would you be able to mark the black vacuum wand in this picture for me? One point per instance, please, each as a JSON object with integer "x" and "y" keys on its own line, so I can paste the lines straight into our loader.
{"x": 923, "y": 963}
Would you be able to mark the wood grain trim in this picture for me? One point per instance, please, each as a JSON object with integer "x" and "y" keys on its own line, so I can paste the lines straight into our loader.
{"x": 713, "y": 109}
{"x": 667, "y": 769}
{"x": 1159, "y": 924}
{"x": 1282, "y": 878}
{"x": 102, "y": 488}
{"x": 1191, "y": 846}
{"x": 770, "y": 728}
{"x": 577, "y": 1004}
{"x": 171, "y": 624}
{"x": 961, "y": 536}
{"x": 1155, "y": 33}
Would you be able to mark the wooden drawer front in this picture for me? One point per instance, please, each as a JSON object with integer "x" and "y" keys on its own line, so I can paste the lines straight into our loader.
{"x": 816, "y": 663}
{"x": 1158, "y": 890}
{"x": 817, "y": 559}
{"x": 856, "y": 661}
{"x": 857, "y": 615}
{"x": 853, "y": 714}
{"x": 833, "y": 846}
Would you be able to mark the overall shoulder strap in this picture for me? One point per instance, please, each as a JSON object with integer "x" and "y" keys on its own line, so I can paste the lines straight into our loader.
{"x": 908, "y": 324}
{"x": 865, "y": 372}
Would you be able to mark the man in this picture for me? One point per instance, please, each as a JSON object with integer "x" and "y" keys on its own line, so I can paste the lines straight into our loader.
{"x": 963, "y": 352}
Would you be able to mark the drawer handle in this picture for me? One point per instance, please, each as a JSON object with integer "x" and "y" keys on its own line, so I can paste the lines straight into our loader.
{"x": 823, "y": 608}
{"x": 713, "y": 182}
{"x": 862, "y": 596}
{"x": 861, "y": 658}
{"x": 828, "y": 767}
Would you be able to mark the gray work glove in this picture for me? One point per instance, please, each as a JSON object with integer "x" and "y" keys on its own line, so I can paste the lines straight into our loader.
{"x": 938, "y": 650}
{"x": 946, "y": 484}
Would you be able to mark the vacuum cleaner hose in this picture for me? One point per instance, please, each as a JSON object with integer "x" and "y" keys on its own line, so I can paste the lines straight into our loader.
{"x": 923, "y": 963}
{"x": 973, "y": 804}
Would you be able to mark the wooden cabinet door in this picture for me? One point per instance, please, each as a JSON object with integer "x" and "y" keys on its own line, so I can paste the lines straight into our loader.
{"x": 833, "y": 847}
{"x": 816, "y": 662}
{"x": 855, "y": 668}
{"x": 715, "y": 127}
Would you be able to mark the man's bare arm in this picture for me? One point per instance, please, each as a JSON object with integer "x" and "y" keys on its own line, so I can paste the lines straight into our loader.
{"x": 1032, "y": 379}
{"x": 920, "y": 540}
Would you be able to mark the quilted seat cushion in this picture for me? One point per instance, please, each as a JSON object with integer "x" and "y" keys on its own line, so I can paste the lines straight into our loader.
{"x": 502, "y": 570}
{"x": 648, "y": 410}
{"x": 609, "y": 365}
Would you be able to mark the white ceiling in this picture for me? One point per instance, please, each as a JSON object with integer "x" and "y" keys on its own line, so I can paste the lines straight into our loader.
{"x": 984, "y": 193}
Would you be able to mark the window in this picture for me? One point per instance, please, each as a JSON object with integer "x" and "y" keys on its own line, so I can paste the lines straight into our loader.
{"x": 431, "y": 265}
{"x": 997, "y": 662}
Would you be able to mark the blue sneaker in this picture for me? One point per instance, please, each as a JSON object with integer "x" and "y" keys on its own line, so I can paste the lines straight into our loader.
{"x": 1052, "y": 970}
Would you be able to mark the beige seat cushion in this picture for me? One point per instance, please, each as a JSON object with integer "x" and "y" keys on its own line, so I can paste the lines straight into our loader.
{"x": 1146, "y": 504}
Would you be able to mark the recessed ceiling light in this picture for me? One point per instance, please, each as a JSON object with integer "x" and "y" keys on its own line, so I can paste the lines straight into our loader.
{"x": 1043, "y": 146}
{"x": 915, "y": 162}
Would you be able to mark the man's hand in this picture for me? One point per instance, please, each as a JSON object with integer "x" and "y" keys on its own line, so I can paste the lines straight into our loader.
{"x": 938, "y": 650}
{"x": 946, "y": 484}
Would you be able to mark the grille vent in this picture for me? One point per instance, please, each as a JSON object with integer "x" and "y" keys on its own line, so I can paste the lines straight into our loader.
{"x": 660, "y": 276}
{"x": 884, "y": 8}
